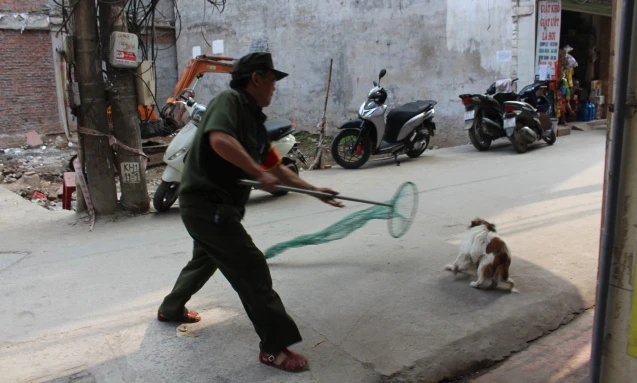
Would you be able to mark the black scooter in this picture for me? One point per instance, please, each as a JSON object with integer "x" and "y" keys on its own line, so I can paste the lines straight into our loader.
{"x": 523, "y": 118}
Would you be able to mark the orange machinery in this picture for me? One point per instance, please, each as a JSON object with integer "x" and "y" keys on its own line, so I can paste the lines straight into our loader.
{"x": 170, "y": 113}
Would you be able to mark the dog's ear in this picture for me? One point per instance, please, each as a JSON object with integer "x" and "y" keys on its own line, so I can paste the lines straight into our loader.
{"x": 491, "y": 227}
{"x": 475, "y": 222}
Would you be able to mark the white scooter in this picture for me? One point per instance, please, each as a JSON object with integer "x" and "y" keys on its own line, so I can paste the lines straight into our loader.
{"x": 406, "y": 129}
{"x": 279, "y": 133}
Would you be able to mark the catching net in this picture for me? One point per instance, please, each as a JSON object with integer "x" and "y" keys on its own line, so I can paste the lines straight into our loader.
{"x": 400, "y": 213}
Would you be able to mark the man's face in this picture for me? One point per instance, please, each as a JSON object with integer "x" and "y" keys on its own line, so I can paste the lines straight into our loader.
{"x": 263, "y": 87}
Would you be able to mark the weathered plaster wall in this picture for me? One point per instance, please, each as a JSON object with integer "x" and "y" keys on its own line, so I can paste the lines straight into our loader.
{"x": 166, "y": 54}
{"x": 524, "y": 33}
{"x": 432, "y": 49}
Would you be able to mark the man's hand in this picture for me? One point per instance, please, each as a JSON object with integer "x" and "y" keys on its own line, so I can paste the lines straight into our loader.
{"x": 268, "y": 181}
{"x": 289, "y": 178}
{"x": 329, "y": 201}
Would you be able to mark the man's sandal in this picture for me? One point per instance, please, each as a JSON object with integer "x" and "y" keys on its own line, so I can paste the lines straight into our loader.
{"x": 189, "y": 317}
{"x": 293, "y": 362}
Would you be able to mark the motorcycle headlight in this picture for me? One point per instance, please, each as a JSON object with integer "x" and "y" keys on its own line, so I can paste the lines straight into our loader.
{"x": 178, "y": 153}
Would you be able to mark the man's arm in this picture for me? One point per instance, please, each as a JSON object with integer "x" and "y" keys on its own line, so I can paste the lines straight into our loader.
{"x": 231, "y": 150}
{"x": 289, "y": 178}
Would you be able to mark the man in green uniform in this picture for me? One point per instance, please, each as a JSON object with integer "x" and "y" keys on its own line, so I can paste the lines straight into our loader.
{"x": 232, "y": 144}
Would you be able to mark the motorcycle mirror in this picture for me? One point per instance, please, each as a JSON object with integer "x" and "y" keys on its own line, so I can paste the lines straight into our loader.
{"x": 382, "y": 74}
{"x": 375, "y": 83}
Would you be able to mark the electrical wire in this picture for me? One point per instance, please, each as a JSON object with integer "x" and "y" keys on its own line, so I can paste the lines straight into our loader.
{"x": 66, "y": 17}
{"x": 141, "y": 18}
{"x": 203, "y": 22}
{"x": 219, "y": 4}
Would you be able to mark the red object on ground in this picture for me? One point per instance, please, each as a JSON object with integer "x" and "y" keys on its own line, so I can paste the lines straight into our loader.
{"x": 33, "y": 139}
{"x": 39, "y": 195}
{"x": 68, "y": 187}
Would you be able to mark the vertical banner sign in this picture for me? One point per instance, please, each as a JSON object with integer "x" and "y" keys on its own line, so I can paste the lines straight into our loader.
{"x": 548, "y": 39}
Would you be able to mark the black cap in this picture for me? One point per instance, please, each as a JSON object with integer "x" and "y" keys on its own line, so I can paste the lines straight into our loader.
{"x": 256, "y": 61}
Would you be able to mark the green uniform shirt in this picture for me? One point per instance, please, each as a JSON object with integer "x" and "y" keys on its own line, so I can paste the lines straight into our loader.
{"x": 205, "y": 172}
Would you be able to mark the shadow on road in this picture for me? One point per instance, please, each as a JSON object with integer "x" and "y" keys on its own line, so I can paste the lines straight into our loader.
{"x": 448, "y": 320}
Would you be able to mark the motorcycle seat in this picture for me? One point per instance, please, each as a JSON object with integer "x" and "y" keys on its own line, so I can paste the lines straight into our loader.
{"x": 399, "y": 116}
{"x": 277, "y": 129}
{"x": 504, "y": 97}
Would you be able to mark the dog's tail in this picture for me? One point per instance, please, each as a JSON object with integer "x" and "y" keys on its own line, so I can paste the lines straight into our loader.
{"x": 501, "y": 260}
{"x": 502, "y": 268}
{"x": 501, "y": 257}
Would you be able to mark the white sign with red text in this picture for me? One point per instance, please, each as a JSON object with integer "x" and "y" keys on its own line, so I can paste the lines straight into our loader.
{"x": 548, "y": 38}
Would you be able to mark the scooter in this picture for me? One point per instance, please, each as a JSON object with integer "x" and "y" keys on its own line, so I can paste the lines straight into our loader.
{"x": 491, "y": 116}
{"x": 279, "y": 132}
{"x": 406, "y": 129}
{"x": 525, "y": 124}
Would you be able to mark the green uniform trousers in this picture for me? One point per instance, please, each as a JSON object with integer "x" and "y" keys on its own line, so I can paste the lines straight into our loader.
{"x": 221, "y": 242}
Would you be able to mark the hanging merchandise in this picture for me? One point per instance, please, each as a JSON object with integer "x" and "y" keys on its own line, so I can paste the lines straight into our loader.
{"x": 563, "y": 86}
{"x": 572, "y": 63}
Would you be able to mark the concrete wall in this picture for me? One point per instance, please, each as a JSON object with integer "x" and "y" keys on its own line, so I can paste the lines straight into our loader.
{"x": 166, "y": 54}
{"x": 432, "y": 49}
{"x": 524, "y": 20}
{"x": 166, "y": 69}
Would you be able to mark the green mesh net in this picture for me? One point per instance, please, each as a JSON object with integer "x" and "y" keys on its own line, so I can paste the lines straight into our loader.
{"x": 400, "y": 216}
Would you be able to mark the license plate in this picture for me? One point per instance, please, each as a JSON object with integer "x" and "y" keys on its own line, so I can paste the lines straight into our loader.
{"x": 509, "y": 123}
{"x": 469, "y": 115}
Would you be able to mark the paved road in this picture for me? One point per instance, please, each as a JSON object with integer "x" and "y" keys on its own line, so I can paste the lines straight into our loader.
{"x": 79, "y": 305}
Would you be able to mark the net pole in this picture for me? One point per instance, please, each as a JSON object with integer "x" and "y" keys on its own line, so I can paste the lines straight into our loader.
{"x": 314, "y": 193}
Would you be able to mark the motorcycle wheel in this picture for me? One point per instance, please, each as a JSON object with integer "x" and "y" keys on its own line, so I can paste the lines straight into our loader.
{"x": 165, "y": 196}
{"x": 341, "y": 149}
{"x": 415, "y": 153}
{"x": 477, "y": 140}
{"x": 550, "y": 139}
{"x": 519, "y": 143}
{"x": 289, "y": 163}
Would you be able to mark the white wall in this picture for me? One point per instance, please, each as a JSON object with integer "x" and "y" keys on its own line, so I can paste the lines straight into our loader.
{"x": 432, "y": 49}
{"x": 526, "y": 40}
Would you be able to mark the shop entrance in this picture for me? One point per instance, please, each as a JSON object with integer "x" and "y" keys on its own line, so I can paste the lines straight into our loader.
{"x": 584, "y": 70}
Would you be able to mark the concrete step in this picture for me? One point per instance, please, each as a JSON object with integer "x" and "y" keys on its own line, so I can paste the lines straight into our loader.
{"x": 583, "y": 126}
{"x": 596, "y": 123}
{"x": 562, "y": 356}
{"x": 563, "y": 130}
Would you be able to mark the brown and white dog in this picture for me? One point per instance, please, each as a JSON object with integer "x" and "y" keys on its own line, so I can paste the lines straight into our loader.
{"x": 483, "y": 253}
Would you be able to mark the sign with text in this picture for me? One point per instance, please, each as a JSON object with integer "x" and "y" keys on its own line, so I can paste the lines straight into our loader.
{"x": 548, "y": 38}
{"x": 130, "y": 173}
